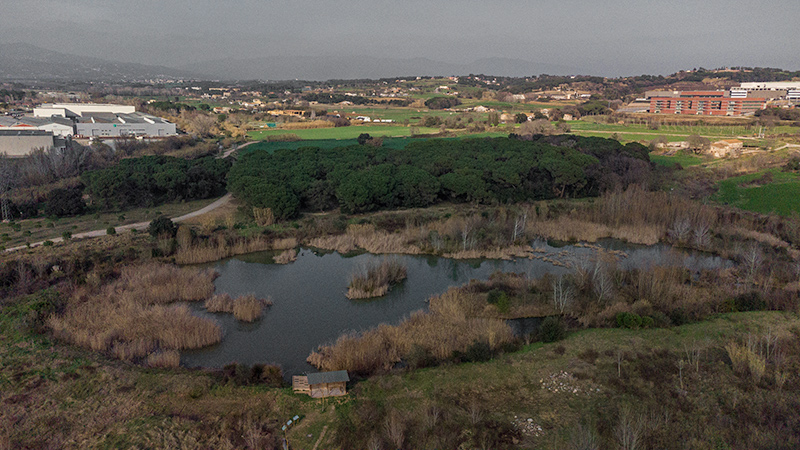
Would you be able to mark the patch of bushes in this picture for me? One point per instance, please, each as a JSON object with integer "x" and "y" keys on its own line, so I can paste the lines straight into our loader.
{"x": 553, "y": 329}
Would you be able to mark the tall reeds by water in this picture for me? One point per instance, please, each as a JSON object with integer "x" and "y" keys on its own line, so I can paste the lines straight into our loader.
{"x": 247, "y": 308}
{"x": 446, "y": 328}
{"x": 375, "y": 280}
{"x": 132, "y": 317}
{"x": 221, "y": 247}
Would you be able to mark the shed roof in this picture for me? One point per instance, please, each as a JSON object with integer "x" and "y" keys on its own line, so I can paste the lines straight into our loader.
{"x": 328, "y": 377}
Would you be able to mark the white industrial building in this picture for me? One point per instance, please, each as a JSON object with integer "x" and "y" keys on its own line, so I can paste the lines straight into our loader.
{"x": 80, "y": 109}
{"x": 115, "y": 125}
{"x": 101, "y": 120}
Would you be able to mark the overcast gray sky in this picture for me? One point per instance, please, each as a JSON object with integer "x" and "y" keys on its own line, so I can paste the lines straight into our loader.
{"x": 610, "y": 37}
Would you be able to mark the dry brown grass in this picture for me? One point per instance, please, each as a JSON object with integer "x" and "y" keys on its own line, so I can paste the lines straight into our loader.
{"x": 286, "y": 256}
{"x": 164, "y": 360}
{"x": 130, "y": 317}
{"x": 221, "y": 248}
{"x": 375, "y": 281}
{"x": 449, "y": 326}
{"x": 220, "y": 303}
{"x": 366, "y": 237}
{"x": 307, "y": 125}
{"x": 248, "y": 308}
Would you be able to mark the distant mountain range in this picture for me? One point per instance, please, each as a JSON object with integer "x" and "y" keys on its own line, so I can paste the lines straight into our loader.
{"x": 20, "y": 61}
{"x": 27, "y": 62}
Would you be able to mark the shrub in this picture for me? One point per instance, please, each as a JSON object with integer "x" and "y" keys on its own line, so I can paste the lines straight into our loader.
{"x": 553, "y": 329}
{"x": 749, "y": 301}
{"x": 648, "y": 322}
{"x": 47, "y": 243}
{"x": 504, "y": 304}
{"x": 162, "y": 226}
{"x": 66, "y": 235}
{"x": 479, "y": 351}
{"x": 111, "y": 231}
{"x": 495, "y": 296}
{"x": 248, "y": 308}
{"x": 630, "y": 320}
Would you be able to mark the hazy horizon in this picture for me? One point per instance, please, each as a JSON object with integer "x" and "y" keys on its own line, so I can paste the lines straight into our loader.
{"x": 617, "y": 38}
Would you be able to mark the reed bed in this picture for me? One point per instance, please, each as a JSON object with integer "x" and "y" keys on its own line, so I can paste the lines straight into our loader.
{"x": 221, "y": 248}
{"x": 365, "y": 236}
{"x": 164, "y": 360}
{"x": 164, "y": 283}
{"x": 246, "y": 308}
{"x": 376, "y": 280}
{"x": 286, "y": 257}
{"x": 131, "y": 318}
{"x": 447, "y": 328}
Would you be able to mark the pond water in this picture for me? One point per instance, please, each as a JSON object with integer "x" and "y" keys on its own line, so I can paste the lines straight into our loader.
{"x": 310, "y": 307}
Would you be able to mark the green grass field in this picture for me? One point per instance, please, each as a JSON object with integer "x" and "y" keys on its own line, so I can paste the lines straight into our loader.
{"x": 351, "y": 132}
{"x": 683, "y": 160}
{"x": 781, "y": 195}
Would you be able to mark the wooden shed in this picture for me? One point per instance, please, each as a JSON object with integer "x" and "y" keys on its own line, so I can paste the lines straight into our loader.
{"x": 322, "y": 384}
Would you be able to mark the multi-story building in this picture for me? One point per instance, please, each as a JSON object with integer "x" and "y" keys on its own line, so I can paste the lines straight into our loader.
{"x": 706, "y": 103}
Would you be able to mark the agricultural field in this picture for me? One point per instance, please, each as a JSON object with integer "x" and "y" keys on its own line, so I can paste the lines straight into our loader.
{"x": 684, "y": 160}
{"x": 771, "y": 191}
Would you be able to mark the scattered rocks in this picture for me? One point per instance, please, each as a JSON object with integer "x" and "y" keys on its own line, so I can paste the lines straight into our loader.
{"x": 565, "y": 382}
{"x": 527, "y": 426}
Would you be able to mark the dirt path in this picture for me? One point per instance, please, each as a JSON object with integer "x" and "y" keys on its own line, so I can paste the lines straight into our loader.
{"x": 137, "y": 226}
{"x": 142, "y": 225}
{"x": 238, "y": 147}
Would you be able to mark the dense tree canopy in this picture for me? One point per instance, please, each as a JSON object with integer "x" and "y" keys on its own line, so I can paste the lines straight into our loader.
{"x": 151, "y": 180}
{"x": 364, "y": 178}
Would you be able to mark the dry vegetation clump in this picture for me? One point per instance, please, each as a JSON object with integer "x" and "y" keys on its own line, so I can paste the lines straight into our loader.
{"x": 164, "y": 283}
{"x": 365, "y": 236}
{"x": 220, "y": 303}
{"x": 286, "y": 256}
{"x": 220, "y": 247}
{"x": 164, "y": 360}
{"x": 447, "y": 328}
{"x": 376, "y": 280}
{"x": 130, "y": 318}
{"x": 246, "y": 308}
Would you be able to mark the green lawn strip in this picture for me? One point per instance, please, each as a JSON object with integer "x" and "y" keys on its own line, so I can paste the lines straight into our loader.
{"x": 40, "y": 230}
{"x": 683, "y": 160}
{"x": 781, "y": 195}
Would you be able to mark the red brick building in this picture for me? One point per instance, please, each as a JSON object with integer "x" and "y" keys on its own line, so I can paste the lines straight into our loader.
{"x": 705, "y": 103}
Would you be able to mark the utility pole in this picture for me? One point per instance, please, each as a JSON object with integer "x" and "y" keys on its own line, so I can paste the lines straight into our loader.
{"x": 5, "y": 186}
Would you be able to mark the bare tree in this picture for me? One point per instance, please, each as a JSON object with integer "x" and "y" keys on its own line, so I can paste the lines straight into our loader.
{"x": 539, "y": 126}
{"x": 563, "y": 293}
{"x": 432, "y": 416}
{"x": 602, "y": 283}
{"x": 394, "y": 429}
{"x": 519, "y": 225}
{"x": 681, "y": 229}
{"x": 475, "y": 413}
{"x": 701, "y": 234}
{"x": 584, "y": 437}
{"x": 630, "y": 429}
{"x": 374, "y": 443}
{"x": 752, "y": 260}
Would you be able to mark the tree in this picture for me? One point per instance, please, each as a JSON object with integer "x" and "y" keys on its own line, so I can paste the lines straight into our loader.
{"x": 698, "y": 144}
{"x": 520, "y": 117}
{"x": 65, "y": 202}
{"x": 539, "y": 126}
{"x": 363, "y": 138}
{"x": 162, "y": 225}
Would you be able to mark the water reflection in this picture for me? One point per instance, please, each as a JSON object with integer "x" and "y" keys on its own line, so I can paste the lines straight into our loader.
{"x": 310, "y": 307}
